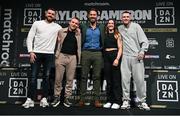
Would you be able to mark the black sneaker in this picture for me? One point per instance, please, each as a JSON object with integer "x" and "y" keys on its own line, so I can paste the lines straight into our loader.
{"x": 56, "y": 102}
{"x": 67, "y": 103}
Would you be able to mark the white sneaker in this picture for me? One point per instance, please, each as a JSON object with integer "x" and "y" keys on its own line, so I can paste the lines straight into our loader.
{"x": 43, "y": 102}
{"x": 144, "y": 106}
{"x": 107, "y": 105}
{"x": 28, "y": 103}
{"x": 87, "y": 103}
{"x": 125, "y": 105}
{"x": 115, "y": 106}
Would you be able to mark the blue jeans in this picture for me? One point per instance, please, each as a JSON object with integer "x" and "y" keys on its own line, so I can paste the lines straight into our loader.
{"x": 46, "y": 60}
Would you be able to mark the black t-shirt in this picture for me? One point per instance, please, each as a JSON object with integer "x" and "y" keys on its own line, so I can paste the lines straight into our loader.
{"x": 110, "y": 41}
{"x": 69, "y": 45}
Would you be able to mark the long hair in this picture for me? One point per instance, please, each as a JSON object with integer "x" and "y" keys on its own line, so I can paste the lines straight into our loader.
{"x": 116, "y": 32}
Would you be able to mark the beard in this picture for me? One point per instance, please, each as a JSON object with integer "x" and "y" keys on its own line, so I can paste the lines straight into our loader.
{"x": 50, "y": 19}
{"x": 92, "y": 20}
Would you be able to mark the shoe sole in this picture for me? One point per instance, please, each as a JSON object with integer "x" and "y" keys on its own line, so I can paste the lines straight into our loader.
{"x": 127, "y": 108}
{"x": 44, "y": 106}
{"x": 66, "y": 105}
{"x": 145, "y": 109}
{"x": 107, "y": 107}
{"x": 29, "y": 106}
{"x": 115, "y": 108}
{"x": 87, "y": 104}
{"x": 55, "y": 105}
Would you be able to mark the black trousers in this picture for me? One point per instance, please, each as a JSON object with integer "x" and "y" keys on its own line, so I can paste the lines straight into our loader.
{"x": 113, "y": 77}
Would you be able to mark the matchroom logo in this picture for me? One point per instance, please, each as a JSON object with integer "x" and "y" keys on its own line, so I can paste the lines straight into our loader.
{"x": 18, "y": 87}
{"x": 164, "y": 16}
{"x": 31, "y": 15}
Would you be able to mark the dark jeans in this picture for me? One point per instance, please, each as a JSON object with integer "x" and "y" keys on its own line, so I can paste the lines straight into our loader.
{"x": 94, "y": 59}
{"x": 113, "y": 77}
{"x": 47, "y": 62}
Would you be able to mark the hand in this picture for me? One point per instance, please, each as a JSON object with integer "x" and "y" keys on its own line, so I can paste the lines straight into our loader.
{"x": 32, "y": 57}
{"x": 140, "y": 56}
{"x": 78, "y": 30}
{"x": 59, "y": 39}
{"x": 116, "y": 62}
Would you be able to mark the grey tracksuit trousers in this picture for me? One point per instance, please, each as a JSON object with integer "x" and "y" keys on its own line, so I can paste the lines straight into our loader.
{"x": 132, "y": 67}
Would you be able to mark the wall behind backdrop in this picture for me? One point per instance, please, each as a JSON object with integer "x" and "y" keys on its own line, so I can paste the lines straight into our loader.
{"x": 158, "y": 18}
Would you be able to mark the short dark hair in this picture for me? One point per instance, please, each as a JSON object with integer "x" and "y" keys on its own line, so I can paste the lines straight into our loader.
{"x": 50, "y": 8}
{"x": 92, "y": 9}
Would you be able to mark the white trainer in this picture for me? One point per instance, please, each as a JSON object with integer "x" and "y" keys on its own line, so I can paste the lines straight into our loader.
{"x": 144, "y": 106}
{"x": 115, "y": 106}
{"x": 28, "y": 103}
{"x": 125, "y": 105}
{"x": 43, "y": 102}
{"x": 87, "y": 103}
{"x": 107, "y": 105}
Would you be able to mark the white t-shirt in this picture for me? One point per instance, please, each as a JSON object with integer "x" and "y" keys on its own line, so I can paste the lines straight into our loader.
{"x": 42, "y": 37}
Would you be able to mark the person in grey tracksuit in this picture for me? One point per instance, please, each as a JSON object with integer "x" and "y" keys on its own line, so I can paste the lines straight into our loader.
{"x": 135, "y": 44}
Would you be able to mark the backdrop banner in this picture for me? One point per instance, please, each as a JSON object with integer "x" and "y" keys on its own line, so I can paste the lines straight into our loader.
{"x": 159, "y": 19}
{"x": 163, "y": 89}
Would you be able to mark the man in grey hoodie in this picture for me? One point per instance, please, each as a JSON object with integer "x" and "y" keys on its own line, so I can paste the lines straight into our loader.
{"x": 135, "y": 44}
